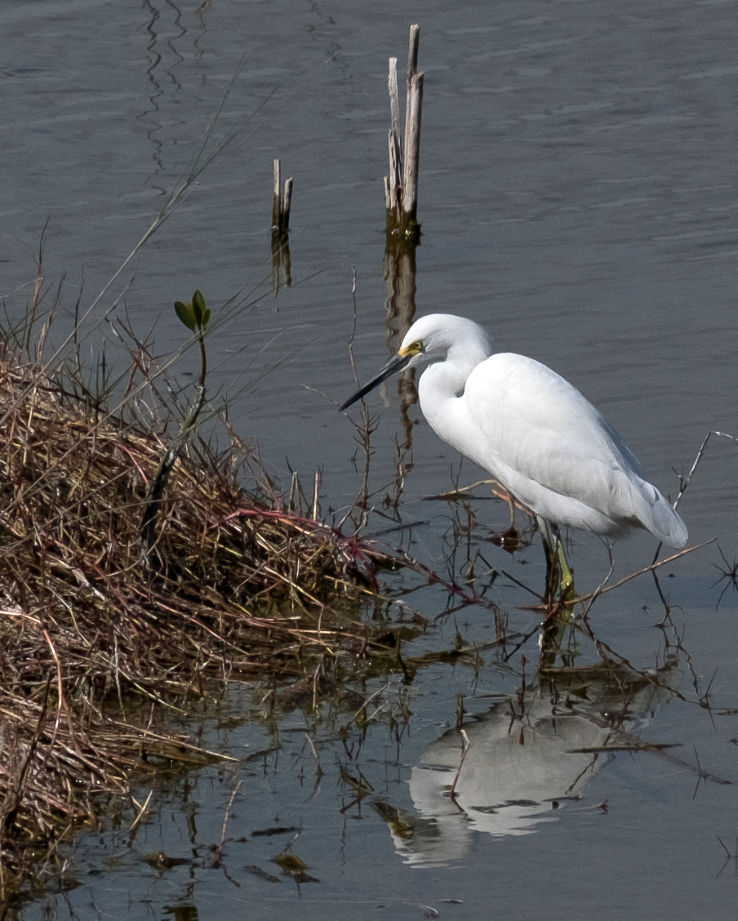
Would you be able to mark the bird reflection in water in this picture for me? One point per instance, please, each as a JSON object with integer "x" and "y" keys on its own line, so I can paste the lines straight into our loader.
{"x": 509, "y": 770}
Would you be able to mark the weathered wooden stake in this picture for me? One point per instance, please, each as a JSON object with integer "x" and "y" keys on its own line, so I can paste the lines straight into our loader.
{"x": 401, "y": 186}
{"x": 412, "y": 148}
{"x": 281, "y": 204}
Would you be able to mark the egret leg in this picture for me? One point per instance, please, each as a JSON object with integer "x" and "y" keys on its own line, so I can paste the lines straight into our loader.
{"x": 559, "y": 574}
{"x": 566, "y": 573}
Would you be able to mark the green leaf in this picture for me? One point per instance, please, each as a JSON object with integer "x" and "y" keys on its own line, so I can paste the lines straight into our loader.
{"x": 186, "y": 314}
{"x": 199, "y": 309}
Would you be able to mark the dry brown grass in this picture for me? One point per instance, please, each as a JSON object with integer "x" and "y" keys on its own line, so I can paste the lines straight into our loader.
{"x": 97, "y": 638}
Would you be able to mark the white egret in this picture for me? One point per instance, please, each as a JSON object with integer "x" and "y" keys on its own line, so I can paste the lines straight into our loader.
{"x": 533, "y": 432}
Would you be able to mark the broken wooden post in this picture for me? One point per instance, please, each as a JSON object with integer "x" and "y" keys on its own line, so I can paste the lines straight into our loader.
{"x": 401, "y": 186}
{"x": 281, "y": 204}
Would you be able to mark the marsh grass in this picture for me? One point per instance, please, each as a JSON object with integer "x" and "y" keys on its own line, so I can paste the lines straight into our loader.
{"x": 100, "y": 640}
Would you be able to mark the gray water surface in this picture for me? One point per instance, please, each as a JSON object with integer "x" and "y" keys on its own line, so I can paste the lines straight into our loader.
{"x": 578, "y": 198}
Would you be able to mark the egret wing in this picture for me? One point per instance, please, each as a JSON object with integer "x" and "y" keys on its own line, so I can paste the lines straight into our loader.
{"x": 549, "y": 445}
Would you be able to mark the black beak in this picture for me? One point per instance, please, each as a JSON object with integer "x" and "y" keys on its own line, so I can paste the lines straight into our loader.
{"x": 393, "y": 366}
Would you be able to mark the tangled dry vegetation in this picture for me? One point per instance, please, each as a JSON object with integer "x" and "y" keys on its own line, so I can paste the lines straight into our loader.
{"x": 98, "y": 637}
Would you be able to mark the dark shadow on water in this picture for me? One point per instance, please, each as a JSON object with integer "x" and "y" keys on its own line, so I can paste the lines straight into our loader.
{"x": 163, "y": 62}
{"x": 399, "y": 270}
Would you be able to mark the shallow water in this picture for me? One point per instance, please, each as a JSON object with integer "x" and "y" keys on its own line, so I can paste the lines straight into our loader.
{"x": 578, "y": 197}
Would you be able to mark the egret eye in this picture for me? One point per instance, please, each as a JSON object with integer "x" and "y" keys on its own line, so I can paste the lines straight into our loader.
{"x": 415, "y": 348}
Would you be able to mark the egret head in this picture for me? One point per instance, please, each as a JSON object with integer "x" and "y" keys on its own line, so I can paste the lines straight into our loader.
{"x": 431, "y": 338}
{"x": 442, "y": 335}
